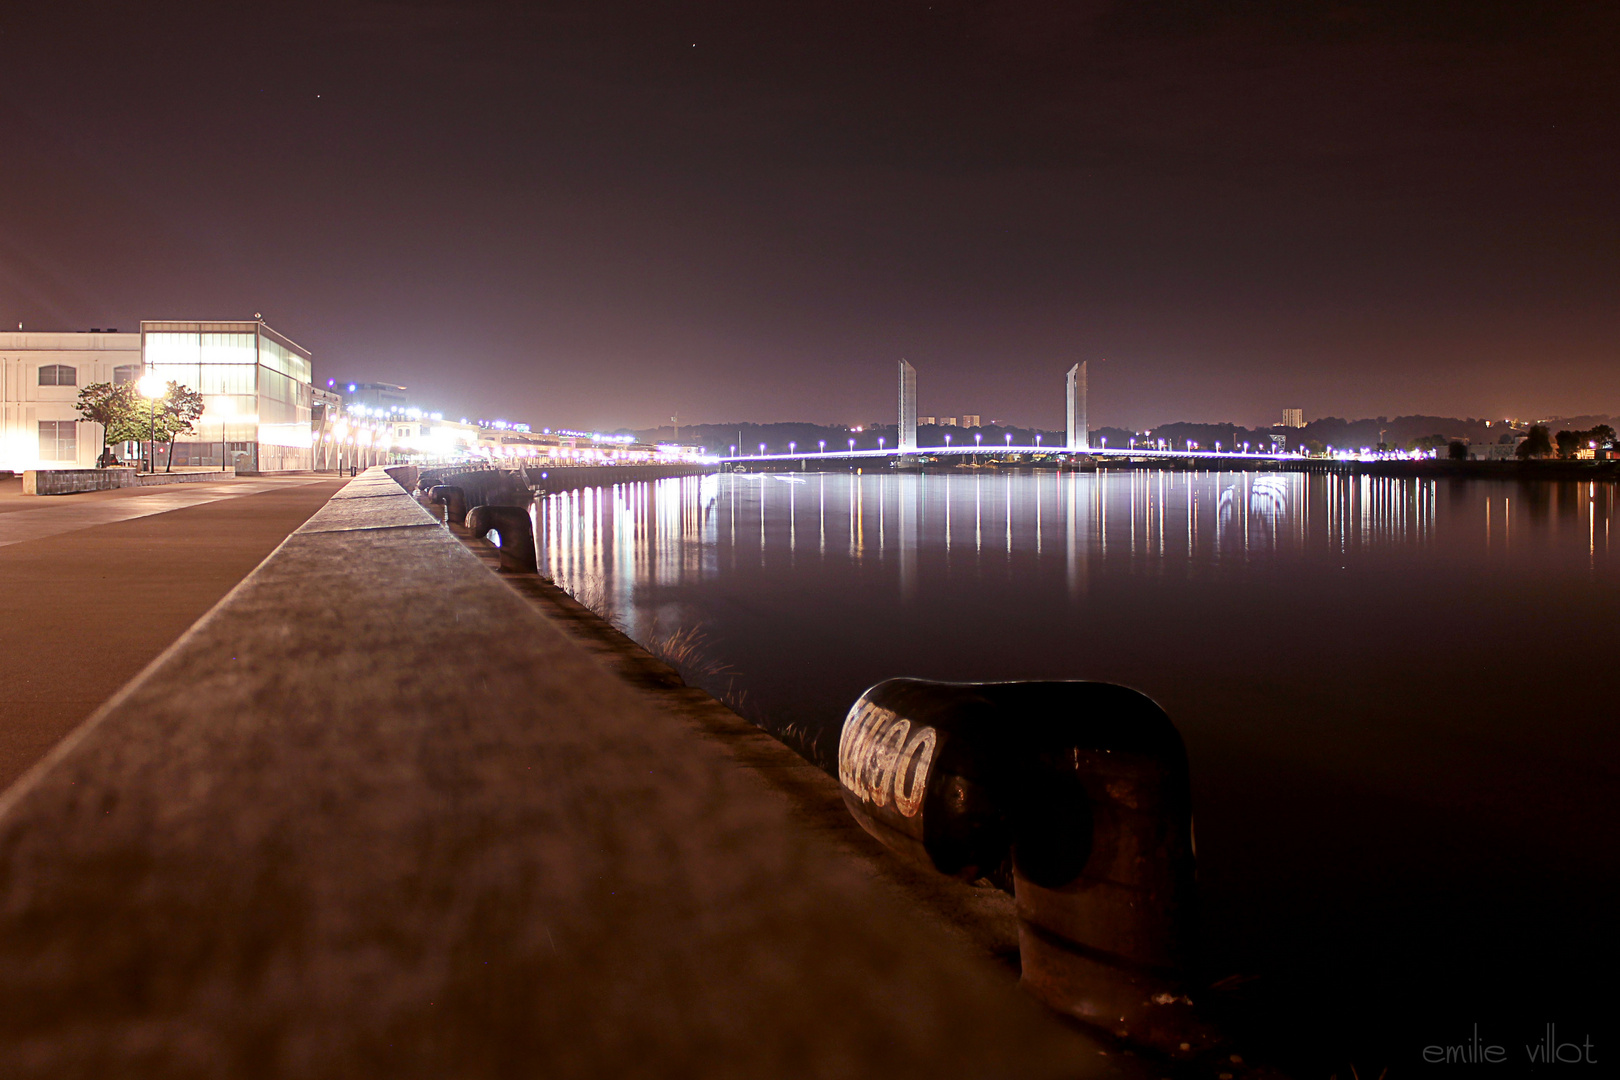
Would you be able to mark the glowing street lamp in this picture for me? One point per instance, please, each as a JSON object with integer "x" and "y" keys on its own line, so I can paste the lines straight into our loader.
{"x": 852, "y": 446}
{"x": 1009, "y": 439}
{"x": 151, "y": 387}
{"x": 947, "y": 440}
{"x": 978, "y": 438}
{"x": 823, "y": 443}
{"x": 792, "y": 446}
{"x": 1038, "y": 440}
{"x": 761, "y": 449}
{"x": 880, "y": 442}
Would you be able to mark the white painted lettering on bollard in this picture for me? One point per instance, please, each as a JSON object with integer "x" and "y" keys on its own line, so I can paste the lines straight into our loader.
{"x": 881, "y": 759}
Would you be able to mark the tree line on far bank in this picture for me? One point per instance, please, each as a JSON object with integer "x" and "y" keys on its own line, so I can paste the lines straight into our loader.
{"x": 126, "y": 416}
{"x": 1540, "y": 443}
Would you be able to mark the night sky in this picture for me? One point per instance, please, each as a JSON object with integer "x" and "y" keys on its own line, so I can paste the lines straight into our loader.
{"x": 600, "y": 214}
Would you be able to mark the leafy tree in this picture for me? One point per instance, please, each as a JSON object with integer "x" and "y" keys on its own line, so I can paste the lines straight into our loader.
{"x": 1428, "y": 442}
{"x": 1603, "y": 435}
{"x": 1538, "y": 444}
{"x": 1458, "y": 450}
{"x": 115, "y": 408}
{"x": 1569, "y": 442}
{"x": 178, "y": 411}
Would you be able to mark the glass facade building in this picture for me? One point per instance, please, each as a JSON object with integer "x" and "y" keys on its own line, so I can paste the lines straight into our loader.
{"x": 256, "y": 386}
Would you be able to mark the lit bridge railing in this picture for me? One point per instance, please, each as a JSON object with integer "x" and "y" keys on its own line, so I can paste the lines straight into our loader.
{"x": 1009, "y": 451}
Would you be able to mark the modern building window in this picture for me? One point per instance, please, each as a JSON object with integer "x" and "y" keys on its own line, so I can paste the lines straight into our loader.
{"x": 58, "y": 375}
{"x": 126, "y": 373}
{"x": 58, "y": 440}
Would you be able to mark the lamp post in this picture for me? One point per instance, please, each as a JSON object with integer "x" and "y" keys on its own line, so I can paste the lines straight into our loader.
{"x": 151, "y": 388}
{"x": 823, "y": 444}
{"x": 226, "y": 408}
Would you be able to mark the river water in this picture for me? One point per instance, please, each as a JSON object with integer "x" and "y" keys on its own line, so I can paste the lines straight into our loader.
{"x": 1398, "y": 696}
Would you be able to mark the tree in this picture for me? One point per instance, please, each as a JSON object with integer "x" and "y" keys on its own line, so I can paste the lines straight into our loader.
{"x": 178, "y": 411}
{"x": 1458, "y": 450}
{"x": 1603, "y": 435}
{"x": 1428, "y": 442}
{"x": 1538, "y": 444}
{"x": 1569, "y": 442}
{"x": 116, "y": 409}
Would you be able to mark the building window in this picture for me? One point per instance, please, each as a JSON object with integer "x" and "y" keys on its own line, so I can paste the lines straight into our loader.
{"x": 126, "y": 373}
{"x": 58, "y": 440}
{"x": 58, "y": 375}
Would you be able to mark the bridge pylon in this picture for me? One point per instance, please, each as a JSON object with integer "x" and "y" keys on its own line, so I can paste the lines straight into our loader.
{"x": 908, "y": 407}
{"x": 1079, "y": 438}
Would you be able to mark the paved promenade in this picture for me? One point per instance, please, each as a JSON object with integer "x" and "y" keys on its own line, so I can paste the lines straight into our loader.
{"x": 96, "y": 585}
{"x": 377, "y": 815}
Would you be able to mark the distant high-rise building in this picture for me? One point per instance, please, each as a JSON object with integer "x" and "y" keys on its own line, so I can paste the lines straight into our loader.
{"x": 1293, "y": 418}
{"x": 908, "y": 407}
{"x": 1079, "y": 436}
{"x": 970, "y": 419}
{"x": 948, "y": 421}
{"x": 927, "y": 421}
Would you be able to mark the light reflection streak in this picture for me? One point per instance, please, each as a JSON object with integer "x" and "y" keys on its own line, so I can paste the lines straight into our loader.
{"x": 604, "y": 544}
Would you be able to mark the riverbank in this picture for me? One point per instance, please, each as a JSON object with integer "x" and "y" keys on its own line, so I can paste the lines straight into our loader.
{"x": 377, "y": 814}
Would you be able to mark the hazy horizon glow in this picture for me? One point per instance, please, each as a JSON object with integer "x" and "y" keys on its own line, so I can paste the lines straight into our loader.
{"x": 599, "y": 216}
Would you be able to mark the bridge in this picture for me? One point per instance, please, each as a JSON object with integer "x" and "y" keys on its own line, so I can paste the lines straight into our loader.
{"x": 1077, "y": 440}
{"x": 1008, "y": 452}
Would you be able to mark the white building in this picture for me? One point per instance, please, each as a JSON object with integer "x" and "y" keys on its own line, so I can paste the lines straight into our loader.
{"x": 41, "y": 374}
{"x": 1294, "y": 418}
{"x": 970, "y": 420}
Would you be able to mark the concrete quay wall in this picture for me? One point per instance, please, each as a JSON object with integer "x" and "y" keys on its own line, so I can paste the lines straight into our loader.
{"x": 76, "y": 481}
{"x": 378, "y": 815}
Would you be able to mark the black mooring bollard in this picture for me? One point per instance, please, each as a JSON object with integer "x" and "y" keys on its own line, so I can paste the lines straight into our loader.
{"x": 453, "y": 499}
{"x": 1073, "y": 793}
{"x": 515, "y": 530}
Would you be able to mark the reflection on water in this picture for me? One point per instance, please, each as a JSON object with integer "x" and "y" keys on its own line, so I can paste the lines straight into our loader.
{"x": 611, "y": 545}
{"x": 1398, "y": 694}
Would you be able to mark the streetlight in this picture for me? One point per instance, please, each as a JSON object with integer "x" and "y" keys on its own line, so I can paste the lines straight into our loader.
{"x": 852, "y": 446}
{"x": 823, "y": 443}
{"x": 880, "y": 442}
{"x": 1038, "y": 440}
{"x": 947, "y": 440}
{"x": 792, "y": 446}
{"x": 978, "y": 438}
{"x": 761, "y": 449}
{"x": 1009, "y": 440}
{"x": 733, "y": 449}
{"x": 151, "y": 388}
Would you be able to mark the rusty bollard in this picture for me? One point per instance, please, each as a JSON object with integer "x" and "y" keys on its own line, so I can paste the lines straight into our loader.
{"x": 1073, "y": 794}
{"x": 513, "y": 530}
{"x": 453, "y": 499}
